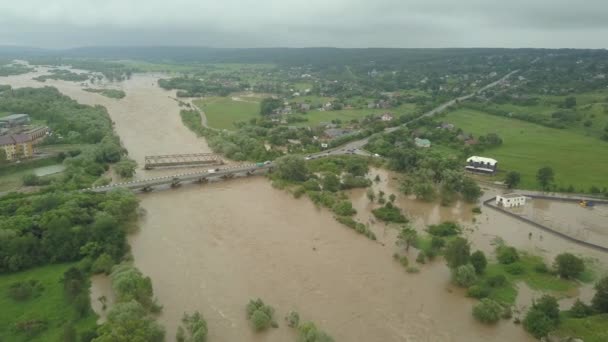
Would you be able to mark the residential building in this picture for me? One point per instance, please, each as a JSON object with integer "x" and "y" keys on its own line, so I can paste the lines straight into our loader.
{"x": 37, "y": 134}
{"x": 333, "y": 133}
{"x": 424, "y": 143}
{"x": 481, "y": 164}
{"x": 305, "y": 106}
{"x": 15, "y": 120}
{"x": 17, "y": 146}
{"x": 510, "y": 200}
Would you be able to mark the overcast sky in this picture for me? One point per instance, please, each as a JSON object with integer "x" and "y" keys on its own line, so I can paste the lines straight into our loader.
{"x": 301, "y": 23}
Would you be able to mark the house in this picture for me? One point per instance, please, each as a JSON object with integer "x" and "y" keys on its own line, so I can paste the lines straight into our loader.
{"x": 328, "y": 106}
{"x": 37, "y": 134}
{"x": 17, "y": 146}
{"x": 305, "y": 106}
{"x": 481, "y": 164}
{"x": 425, "y": 143}
{"x": 15, "y": 120}
{"x": 371, "y": 105}
{"x": 510, "y": 200}
{"x": 387, "y": 117}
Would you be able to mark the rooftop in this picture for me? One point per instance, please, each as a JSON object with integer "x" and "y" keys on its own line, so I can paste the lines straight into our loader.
{"x": 511, "y": 195}
{"x": 14, "y": 117}
{"x": 477, "y": 159}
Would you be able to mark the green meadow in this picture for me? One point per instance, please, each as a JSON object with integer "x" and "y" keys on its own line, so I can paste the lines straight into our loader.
{"x": 577, "y": 159}
{"x": 223, "y": 112}
{"x": 48, "y": 305}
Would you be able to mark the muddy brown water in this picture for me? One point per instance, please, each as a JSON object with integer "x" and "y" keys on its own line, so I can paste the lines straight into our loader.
{"x": 213, "y": 247}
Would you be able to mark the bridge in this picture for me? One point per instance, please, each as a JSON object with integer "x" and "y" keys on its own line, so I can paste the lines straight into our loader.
{"x": 192, "y": 177}
{"x": 193, "y": 159}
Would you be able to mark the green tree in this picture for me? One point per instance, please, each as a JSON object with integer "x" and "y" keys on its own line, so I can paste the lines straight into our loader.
{"x": 580, "y": 309}
{"x": 129, "y": 284}
{"x": 464, "y": 275}
{"x": 269, "y": 104}
{"x": 569, "y": 265}
{"x": 507, "y": 254}
{"x": 478, "y": 260}
{"x": 487, "y": 311}
{"x": 545, "y": 177}
{"x": 512, "y": 179}
{"x": 260, "y": 314}
{"x": 371, "y": 196}
{"x": 292, "y": 168}
{"x": 103, "y": 264}
{"x": 470, "y": 190}
{"x": 392, "y": 198}
{"x": 308, "y": 332}
{"x": 407, "y": 236}
{"x": 193, "y": 328}
{"x": 3, "y": 158}
{"x": 125, "y": 168}
{"x": 569, "y": 102}
{"x": 331, "y": 182}
{"x": 542, "y": 317}
{"x": 129, "y": 322}
{"x": 457, "y": 252}
{"x": 600, "y": 299}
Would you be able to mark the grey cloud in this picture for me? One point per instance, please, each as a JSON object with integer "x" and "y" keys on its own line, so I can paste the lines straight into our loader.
{"x": 342, "y": 23}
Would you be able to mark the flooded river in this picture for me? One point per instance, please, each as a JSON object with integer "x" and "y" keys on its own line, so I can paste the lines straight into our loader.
{"x": 213, "y": 247}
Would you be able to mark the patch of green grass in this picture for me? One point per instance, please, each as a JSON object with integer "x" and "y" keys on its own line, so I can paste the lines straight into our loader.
{"x": 50, "y": 305}
{"x": 589, "y": 329}
{"x": 111, "y": 93}
{"x": 223, "y": 112}
{"x": 534, "y": 279}
{"x": 577, "y": 159}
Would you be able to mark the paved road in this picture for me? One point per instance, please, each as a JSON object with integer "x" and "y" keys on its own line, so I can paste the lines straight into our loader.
{"x": 355, "y": 147}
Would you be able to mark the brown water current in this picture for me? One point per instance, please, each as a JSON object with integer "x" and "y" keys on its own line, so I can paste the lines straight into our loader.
{"x": 213, "y": 247}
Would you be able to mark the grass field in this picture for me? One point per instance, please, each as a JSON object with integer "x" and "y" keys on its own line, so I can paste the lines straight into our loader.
{"x": 577, "y": 159}
{"x": 223, "y": 112}
{"x": 50, "y": 305}
{"x": 589, "y": 329}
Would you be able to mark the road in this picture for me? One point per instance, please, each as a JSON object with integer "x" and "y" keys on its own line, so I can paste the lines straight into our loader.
{"x": 355, "y": 147}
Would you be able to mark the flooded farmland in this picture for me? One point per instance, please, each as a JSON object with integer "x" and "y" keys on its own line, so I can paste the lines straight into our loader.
{"x": 213, "y": 247}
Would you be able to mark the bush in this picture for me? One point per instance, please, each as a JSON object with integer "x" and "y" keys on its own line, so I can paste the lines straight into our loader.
{"x": 421, "y": 258}
{"x": 580, "y": 309}
{"x": 437, "y": 243}
{"x": 507, "y": 255}
{"x": 103, "y": 264}
{"x": 600, "y": 299}
{"x": 538, "y": 324}
{"x": 389, "y": 213}
{"x": 24, "y": 290}
{"x": 444, "y": 229}
{"x": 476, "y": 210}
{"x": 308, "y": 332}
{"x": 541, "y": 268}
{"x": 478, "y": 260}
{"x": 487, "y": 311}
{"x": 412, "y": 269}
{"x": 292, "y": 319}
{"x": 465, "y": 275}
{"x": 31, "y": 326}
{"x": 515, "y": 269}
{"x": 569, "y": 265}
{"x": 259, "y": 314}
{"x": 497, "y": 280}
{"x": 478, "y": 291}
{"x": 344, "y": 208}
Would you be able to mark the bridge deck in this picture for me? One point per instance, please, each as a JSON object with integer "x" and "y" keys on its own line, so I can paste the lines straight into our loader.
{"x": 191, "y": 159}
{"x": 184, "y": 177}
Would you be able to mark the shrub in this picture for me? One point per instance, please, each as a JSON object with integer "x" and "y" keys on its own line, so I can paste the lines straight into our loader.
{"x": 478, "y": 291}
{"x": 24, "y": 290}
{"x": 487, "y": 311}
{"x": 538, "y": 324}
{"x": 31, "y": 326}
{"x": 389, "y": 213}
{"x": 507, "y": 255}
{"x": 569, "y": 265}
{"x": 600, "y": 299}
{"x": 476, "y": 210}
{"x": 515, "y": 269}
{"x": 497, "y": 280}
{"x": 292, "y": 319}
{"x": 421, "y": 258}
{"x": 259, "y": 314}
{"x": 412, "y": 269}
{"x": 103, "y": 264}
{"x": 478, "y": 260}
{"x": 465, "y": 275}
{"x": 344, "y": 208}
{"x": 580, "y": 309}
{"x": 541, "y": 268}
{"x": 308, "y": 332}
{"x": 444, "y": 229}
{"x": 437, "y": 243}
